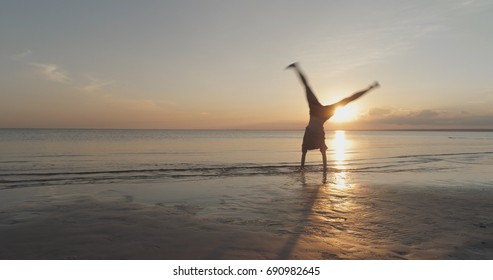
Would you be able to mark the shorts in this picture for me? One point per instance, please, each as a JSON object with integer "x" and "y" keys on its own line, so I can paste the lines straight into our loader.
{"x": 313, "y": 139}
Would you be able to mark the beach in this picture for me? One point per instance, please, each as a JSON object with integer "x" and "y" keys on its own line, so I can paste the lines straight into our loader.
{"x": 273, "y": 218}
{"x": 401, "y": 204}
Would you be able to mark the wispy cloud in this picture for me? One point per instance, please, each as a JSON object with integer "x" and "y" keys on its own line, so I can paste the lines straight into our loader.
{"x": 482, "y": 97}
{"x": 96, "y": 84}
{"x": 381, "y": 42}
{"x": 467, "y": 3}
{"x": 52, "y": 72}
{"x": 474, "y": 4}
{"x": 21, "y": 55}
{"x": 361, "y": 48}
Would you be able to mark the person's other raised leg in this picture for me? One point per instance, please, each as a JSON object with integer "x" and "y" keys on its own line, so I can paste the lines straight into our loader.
{"x": 355, "y": 96}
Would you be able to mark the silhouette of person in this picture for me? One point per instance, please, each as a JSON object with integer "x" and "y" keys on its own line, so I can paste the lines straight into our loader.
{"x": 314, "y": 137}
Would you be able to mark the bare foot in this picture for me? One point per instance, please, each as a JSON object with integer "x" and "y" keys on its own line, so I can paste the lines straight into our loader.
{"x": 292, "y": 65}
{"x": 375, "y": 85}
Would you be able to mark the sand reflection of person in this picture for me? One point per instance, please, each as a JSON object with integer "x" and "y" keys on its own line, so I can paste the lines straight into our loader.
{"x": 314, "y": 137}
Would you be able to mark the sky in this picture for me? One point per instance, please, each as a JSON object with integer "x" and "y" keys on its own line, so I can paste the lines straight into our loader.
{"x": 220, "y": 64}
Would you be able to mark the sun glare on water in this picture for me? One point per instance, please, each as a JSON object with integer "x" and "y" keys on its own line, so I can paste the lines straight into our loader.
{"x": 340, "y": 145}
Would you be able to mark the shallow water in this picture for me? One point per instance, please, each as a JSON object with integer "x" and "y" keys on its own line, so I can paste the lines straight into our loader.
{"x": 38, "y": 157}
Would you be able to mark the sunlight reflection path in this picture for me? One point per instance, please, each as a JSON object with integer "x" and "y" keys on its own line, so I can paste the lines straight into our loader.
{"x": 340, "y": 145}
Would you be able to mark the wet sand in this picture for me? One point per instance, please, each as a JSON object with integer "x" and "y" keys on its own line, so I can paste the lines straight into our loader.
{"x": 294, "y": 216}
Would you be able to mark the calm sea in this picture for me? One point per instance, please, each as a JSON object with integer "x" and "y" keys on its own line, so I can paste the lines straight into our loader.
{"x": 37, "y": 157}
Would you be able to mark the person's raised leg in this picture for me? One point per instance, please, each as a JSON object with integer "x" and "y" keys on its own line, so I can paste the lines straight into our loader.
{"x": 310, "y": 96}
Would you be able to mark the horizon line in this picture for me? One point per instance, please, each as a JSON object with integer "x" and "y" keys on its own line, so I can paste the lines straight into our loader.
{"x": 260, "y": 129}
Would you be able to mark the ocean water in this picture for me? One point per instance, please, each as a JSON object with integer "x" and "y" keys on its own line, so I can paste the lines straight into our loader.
{"x": 40, "y": 157}
{"x": 95, "y": 194}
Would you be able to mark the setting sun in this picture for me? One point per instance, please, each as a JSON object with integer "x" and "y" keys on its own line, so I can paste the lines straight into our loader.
{"x": 344, "y": 114}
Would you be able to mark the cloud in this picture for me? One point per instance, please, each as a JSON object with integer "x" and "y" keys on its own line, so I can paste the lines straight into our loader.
{"x": 96, "y": 84}
{"x": 52, "y": 72}
{"x": 376, "y": 112}
{"x": 476, "y": 4}
{"x": 405, "y": 117}
{"x": 374, "y": 45}
{"x": 467, "y": 3}
{"x": 425, "y": 114}
{"x": 56, "y": 73}
{"x": 387, "y": 117}
{"x": 391, "y": 118}
{"x": 377, "y": 42}
{"x": 21, "y": 55}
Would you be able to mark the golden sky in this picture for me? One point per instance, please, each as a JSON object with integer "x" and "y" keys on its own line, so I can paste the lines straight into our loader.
{"x": 220, "y": 64}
